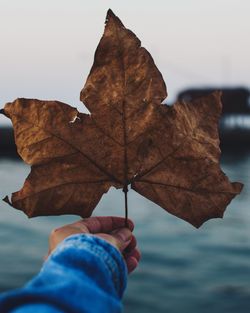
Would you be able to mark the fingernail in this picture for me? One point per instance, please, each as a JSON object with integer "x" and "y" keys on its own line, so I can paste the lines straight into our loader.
{"x": 125, "y": 234}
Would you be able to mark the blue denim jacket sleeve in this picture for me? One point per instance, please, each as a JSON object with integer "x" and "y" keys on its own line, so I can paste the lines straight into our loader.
{"x": 84, "y": 274}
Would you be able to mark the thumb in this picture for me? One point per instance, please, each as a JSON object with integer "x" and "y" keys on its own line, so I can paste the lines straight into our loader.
{"x": 122, "y": 237}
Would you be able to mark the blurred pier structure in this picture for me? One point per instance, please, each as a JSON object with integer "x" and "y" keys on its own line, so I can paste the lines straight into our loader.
{"x": 234, "y": 127}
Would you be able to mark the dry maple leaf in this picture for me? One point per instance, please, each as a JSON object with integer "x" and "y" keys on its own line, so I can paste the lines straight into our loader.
{"x": 169, "y": 155}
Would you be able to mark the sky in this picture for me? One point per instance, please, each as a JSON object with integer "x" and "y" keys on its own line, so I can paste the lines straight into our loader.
{"x": 47, "y": 47}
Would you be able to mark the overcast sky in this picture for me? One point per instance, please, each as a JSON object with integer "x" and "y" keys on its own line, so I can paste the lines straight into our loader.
{"x": 47, "y": 47}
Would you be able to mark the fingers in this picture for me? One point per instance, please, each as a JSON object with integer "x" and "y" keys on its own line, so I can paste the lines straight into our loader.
{"x": 131, "y": 264}
{"x": 105, "y": 224}
{"x": 120, "y": 238}
{"x": 131, "y": 245}
{"x": 135, "y": 254}
{"x": 132, "y": 255}
{"x": 132, "y": 259}
{"x": 110, "y": 228}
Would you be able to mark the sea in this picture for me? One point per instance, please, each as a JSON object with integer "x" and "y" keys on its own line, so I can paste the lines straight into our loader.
{"x": 182, "y": 269}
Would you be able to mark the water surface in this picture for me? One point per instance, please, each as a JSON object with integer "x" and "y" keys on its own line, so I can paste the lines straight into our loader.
{"x": 182, "y": 269}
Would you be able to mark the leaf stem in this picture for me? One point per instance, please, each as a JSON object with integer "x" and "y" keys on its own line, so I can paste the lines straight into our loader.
{"x": 125, "y": 190}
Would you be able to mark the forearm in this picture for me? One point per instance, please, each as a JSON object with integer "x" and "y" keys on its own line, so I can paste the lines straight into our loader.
{"x": 84, "y": 274}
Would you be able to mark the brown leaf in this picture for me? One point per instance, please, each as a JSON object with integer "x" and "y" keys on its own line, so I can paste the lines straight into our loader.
{"x": 170, "y": 155}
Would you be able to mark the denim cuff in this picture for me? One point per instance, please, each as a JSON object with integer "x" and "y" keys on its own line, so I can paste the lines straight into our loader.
{"x": 110, "y": 258}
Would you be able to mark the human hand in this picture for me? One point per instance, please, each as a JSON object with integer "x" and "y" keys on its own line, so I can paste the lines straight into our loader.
{"x": 109, "y": 228}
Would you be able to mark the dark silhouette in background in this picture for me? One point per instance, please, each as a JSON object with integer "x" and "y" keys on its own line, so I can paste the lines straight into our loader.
{"x": 234, "y": 127}
{"x": 234, "y": 100}
{"x": 7, "y": 143}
